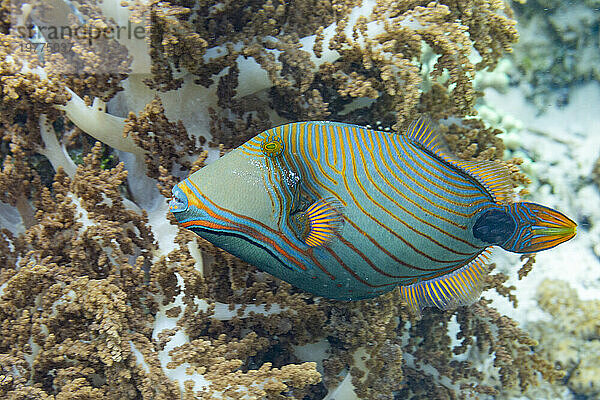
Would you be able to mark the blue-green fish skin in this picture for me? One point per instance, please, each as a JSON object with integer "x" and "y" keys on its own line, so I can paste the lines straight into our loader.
{"x": 348, "y": 213}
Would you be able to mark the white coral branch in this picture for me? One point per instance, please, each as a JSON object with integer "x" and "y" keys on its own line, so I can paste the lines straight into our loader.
{"x": 96, "y": 122}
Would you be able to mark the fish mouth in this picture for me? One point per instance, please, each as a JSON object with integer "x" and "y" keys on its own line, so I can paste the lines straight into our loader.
{"x": 555, "y": 232}
{"x": 179, "y": 201}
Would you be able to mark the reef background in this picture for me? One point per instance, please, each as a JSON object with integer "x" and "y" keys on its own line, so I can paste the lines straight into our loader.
{"x": 103, "y": 296}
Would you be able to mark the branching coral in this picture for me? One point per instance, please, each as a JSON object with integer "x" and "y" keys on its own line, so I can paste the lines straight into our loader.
{"x": 558, "y": 49}
{"x": 357, "y": 56}
{"x": 571, "y": 337}
{"x": 85, "y": 310}
{"x": 596, "y": 172}
{"x": 103, "y": 296}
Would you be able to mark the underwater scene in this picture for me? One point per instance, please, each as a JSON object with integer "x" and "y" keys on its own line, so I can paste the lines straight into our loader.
{"x": 308, "y": 199}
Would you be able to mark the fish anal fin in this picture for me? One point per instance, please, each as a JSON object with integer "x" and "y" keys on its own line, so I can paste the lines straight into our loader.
{"x": 320, "y": 223}
{"x": 460, "y": 287}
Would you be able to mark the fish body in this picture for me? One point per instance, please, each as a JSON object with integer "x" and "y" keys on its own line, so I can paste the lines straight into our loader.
{"x": 348, "y": 213}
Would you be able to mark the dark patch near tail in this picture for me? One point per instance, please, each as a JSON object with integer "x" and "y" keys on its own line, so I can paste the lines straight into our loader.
{"x": 494, "y": 226}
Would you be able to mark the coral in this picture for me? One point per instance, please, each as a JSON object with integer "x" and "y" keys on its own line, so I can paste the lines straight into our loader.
{"x": 571, "y": 338}
{"x": 584, "y": 378}
{"x": 364, "y": 58}
{"x": 102, "y": 295}
{"x": 473, "y": 140}
{"x": 596, "y": 172}
{"x": 161, "y": 140}
{"x": 557, "y": 49}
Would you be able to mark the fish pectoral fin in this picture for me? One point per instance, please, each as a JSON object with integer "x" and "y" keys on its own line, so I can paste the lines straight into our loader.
{"x": 460, "y": 287}
{"x": 320, "y": 223}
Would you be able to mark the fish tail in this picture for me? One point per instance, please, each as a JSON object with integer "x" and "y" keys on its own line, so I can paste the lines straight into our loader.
{"x": 537, "y": 228}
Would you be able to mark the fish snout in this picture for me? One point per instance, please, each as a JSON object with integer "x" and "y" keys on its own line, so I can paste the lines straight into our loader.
{"x": 539, "y": 228}
{"x": 179, "y": 201}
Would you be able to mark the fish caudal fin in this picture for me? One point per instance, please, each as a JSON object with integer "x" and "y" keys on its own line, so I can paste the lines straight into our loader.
{"x": 320, "y": 222}
{"x": 538, "y": 228}
{"x": 460, "y": 287}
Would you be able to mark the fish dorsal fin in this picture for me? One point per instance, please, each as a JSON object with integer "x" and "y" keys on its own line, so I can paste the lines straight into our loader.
{"x": 493, "y": 176}
{"x": 422, "y": 132}
{"x": 460, "y": 287}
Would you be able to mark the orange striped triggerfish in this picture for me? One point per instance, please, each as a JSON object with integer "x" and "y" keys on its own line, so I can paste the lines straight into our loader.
{"x": 347, "y": 212}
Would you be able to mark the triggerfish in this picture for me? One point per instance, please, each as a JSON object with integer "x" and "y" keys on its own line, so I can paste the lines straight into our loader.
{"x": 346, "y": 212}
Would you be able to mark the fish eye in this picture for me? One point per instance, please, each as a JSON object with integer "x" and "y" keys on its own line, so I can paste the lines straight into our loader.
{"x": 272, "y": 146}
